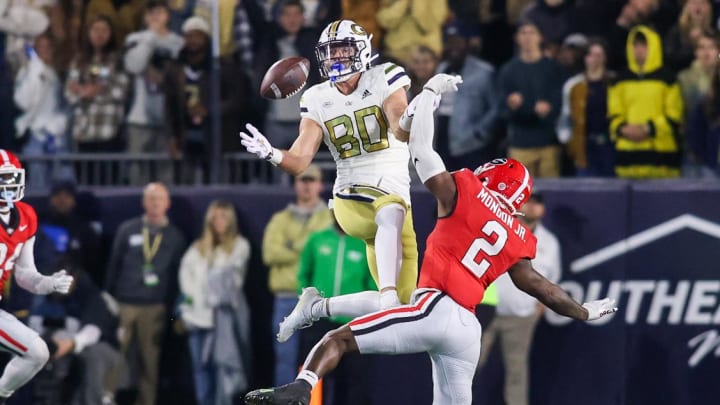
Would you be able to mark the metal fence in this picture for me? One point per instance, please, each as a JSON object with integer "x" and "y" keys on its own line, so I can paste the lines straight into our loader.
{"x": 122, "y": 169}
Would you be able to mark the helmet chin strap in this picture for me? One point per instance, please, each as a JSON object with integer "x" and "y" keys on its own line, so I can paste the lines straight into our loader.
{"x": 335, "y": 78}
{"x": 337, "y": 67}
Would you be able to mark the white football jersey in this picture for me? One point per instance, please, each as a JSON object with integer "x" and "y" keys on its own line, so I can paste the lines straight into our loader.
{"x": 357, "y": 132}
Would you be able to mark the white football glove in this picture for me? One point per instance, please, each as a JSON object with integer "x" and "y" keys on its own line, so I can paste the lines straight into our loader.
{"x": 443, "y": 83}
{"x": 407, "y": 116}
{"x": 60, "y": 282}
{"x": 259, "y": 145}
{"x": 599, "y": 308}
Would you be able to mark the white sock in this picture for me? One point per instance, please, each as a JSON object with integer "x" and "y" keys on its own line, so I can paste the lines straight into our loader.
{"x": 23, "y": 368}
{"x": 309, "y": 377}
{"x": 388, "y": 244}
{"x": 389, "y": 299}
{"x": 354, "y": 305}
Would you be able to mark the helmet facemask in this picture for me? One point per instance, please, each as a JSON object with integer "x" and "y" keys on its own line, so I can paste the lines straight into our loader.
{"x": 503, "y": 200}
{"x": 340, "y": 59}
{"x": 12, "y": 185}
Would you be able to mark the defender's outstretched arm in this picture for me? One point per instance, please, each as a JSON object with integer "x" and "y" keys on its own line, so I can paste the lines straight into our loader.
{"x": 428, "y": 164}
{"x": 551, "y": 295}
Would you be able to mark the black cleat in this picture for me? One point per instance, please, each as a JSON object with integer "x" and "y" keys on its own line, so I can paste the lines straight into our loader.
{"x": 295, "y": 393}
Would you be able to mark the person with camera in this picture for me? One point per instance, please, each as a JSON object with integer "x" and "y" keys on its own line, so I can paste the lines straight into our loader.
{"x": 147, "y": 58}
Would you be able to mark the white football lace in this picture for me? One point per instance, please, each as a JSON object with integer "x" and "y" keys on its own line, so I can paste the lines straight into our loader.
{"x": 297, "y": 90}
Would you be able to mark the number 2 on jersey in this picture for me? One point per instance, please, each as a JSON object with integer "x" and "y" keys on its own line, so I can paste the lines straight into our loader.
{"x": 347, "y": 145}
{"x": 486, "y": 247}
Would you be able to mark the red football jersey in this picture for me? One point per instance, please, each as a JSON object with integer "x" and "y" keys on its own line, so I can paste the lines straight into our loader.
{"x": 21, "y": 227}
{"x": 474, "y": 245}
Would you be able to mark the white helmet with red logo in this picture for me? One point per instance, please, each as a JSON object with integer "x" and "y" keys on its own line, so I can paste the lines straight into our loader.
{"x": 12, "y": 178}
{"x": 508, "y": 180}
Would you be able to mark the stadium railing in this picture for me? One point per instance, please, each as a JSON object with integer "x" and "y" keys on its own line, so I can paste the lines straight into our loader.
{"x": 114, "y": 169}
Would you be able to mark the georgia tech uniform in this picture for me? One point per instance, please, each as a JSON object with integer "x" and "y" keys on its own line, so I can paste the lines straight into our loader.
{"x": 372, "y": 165}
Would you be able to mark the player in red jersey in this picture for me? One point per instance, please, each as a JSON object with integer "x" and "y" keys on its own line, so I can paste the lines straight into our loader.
{"x": 475, "y": 240}
{"x": 17, "y": 238}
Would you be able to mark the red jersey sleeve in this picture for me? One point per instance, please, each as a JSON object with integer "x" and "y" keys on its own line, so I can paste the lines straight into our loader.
{"x": 28, "y": 220}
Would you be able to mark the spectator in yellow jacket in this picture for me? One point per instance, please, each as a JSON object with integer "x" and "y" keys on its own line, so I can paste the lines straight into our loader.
{"x": 283, "y": 241}
{"x": 409, "y": 23}
{"x": 645, "y": 109}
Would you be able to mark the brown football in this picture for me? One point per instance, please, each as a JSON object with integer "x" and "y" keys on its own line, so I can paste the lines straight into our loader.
{"x": 285, "y": 78}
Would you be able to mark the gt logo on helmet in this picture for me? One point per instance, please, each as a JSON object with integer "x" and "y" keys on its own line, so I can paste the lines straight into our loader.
{"x": 357, "y": 29}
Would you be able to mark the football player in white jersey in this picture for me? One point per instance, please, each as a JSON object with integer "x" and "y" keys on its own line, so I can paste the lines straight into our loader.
{"x": 358, "y": 113}
{"x": 18, "y": 224}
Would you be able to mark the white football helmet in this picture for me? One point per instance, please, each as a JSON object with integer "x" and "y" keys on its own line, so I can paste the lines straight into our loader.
{"x": 344, "y": 49}
{"x": 12, "y": 178}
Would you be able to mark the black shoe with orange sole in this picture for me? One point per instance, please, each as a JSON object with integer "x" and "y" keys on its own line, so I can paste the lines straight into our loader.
{"x": 295, "y": 393}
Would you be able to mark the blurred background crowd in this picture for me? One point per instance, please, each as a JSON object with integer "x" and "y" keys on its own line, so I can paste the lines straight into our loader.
{"x": 115, "y": 92}
{"x": 127, "y": 92}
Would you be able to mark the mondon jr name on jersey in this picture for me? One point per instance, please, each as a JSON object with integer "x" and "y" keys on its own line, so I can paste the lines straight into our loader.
{"x": 357, "y": 131}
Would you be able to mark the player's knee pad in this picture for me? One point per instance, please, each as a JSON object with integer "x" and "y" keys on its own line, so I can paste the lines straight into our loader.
{"x": 37, "y": 351}
{"x": 457, "y": 375}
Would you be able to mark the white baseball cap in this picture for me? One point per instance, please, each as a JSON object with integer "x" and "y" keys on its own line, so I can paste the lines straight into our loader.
{"x": 196, "y": 23}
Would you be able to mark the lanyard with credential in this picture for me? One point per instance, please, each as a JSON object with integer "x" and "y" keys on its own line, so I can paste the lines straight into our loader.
{"x": 150, "y": 248}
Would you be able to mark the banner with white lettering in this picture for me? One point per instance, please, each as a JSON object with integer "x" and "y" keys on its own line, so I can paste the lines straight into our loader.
{"x": 654, "y": 247}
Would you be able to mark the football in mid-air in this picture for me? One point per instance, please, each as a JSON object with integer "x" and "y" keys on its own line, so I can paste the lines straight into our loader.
{"x": 285, "y": 78}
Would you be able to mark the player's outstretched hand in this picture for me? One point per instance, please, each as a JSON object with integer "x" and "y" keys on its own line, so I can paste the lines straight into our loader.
{"x": 256, "y": 143}
{"x": 443, "y": 83}
{"x": 61, "y": 282}
{"x": 409, "y": 113}
{"x": 599, "y": 308}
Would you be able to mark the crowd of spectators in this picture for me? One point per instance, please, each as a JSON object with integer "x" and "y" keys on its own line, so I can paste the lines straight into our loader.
{"x": 142, "y": 299}
{"x": 553, "y": 83}
{"x": 613, "y": 88}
